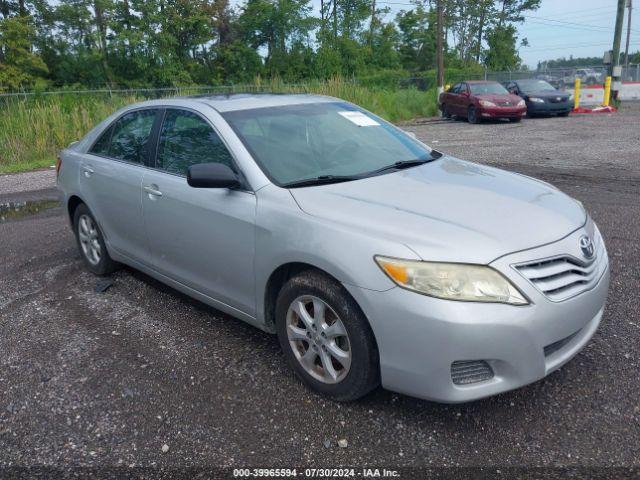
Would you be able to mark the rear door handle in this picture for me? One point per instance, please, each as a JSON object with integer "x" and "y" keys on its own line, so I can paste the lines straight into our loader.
{"x": 88, "y": 171}
{"x": 153, "y": 190}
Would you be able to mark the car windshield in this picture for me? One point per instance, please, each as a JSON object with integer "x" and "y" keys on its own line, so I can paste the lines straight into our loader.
{"x": 534, "y": 86}
{"x": 293, "y": 143}
{"x": 484, "y": 88}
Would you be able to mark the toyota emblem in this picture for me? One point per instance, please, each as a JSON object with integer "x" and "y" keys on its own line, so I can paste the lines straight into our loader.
{"x": 586, "y": 245}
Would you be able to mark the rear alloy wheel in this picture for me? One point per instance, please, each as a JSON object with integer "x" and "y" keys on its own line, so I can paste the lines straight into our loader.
{"x": 472, "y": 115}
{"x": 326, "y": 338}
{"x": 91, "y": 242}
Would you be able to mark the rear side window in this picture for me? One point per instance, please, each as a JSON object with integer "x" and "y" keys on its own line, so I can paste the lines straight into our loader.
{"x": 130, "y": 136}
{"x": 186, "y": 139}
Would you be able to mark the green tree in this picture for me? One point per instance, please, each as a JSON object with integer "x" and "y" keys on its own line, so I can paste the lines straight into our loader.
{"x": 417, "y": 42}
{"x": 276, "y": 25}
{"x": 20, "y": 67}
{"x": 502, "y": 53}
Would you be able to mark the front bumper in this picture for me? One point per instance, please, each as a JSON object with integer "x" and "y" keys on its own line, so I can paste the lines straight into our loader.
{"x": 419, "y": 337}
{"x": 502, "y": 112}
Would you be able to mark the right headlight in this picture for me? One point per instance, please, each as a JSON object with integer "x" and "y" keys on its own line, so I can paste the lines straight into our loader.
{"x": 487, "y": 103}
{"x": 536, "y": 100}
{"x": 452, "y": 281}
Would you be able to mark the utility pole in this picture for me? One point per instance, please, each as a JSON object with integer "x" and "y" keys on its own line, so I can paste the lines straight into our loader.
{"x": 615, "y": 61}
{"x": 626, "y": 49}
{"x": 440, "y": 46}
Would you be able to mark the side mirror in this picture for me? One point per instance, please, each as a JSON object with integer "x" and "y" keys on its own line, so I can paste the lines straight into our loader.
{"x": 212, "y": 175}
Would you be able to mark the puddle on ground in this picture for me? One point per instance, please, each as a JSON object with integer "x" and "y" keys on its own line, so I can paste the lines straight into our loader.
{"x": 14, "y": 210}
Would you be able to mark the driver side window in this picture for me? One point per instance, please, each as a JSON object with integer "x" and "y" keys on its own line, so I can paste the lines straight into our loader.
{"x": 187, "y": 139}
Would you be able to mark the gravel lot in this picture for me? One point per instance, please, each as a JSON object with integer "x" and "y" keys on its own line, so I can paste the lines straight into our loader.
{"x": 106, "y": 379}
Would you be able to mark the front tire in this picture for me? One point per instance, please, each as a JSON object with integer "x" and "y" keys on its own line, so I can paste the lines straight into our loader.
{"x": 445, "y": 111}
{"x": 91, "y": 242}
{"x": 326, "y": 338}
{"x": 515, "y": 120}
{"x": 472, "y": 115}
{"x": 563, "y": 114}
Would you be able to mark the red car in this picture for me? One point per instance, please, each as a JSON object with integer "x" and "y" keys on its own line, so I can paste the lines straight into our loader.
{"x": 478, "y": 100}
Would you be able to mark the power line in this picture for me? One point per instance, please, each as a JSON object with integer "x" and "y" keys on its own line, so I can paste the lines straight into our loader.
{"x": 568, "y": 12}
{"x": 579, "y": 45}
{"x": 572, "y": 27}
{"x": 563, "y": 22}
{"x": 598, "y": 34}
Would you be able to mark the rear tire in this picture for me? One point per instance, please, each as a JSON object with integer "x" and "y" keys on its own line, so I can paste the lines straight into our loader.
{"x": 332, "y": 318}
{"x": 91, "y": 242}
{"x": 472, "y": 115}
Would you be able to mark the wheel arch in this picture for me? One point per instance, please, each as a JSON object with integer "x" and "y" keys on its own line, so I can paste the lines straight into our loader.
{"x": 276, "y": 281}
{"x": 274, "y": 284}
{"x": 72, "y": 204}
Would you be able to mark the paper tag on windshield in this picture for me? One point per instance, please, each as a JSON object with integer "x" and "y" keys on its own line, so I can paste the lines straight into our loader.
{"x": 359, "y": 119}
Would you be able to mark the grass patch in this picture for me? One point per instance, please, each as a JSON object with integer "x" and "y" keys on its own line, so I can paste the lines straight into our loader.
{"x": 33, "y": 129}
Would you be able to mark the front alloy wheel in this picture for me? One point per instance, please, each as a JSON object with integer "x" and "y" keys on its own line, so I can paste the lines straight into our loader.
{"x": 318, "y": 339}
{"x": 325, "y": 337}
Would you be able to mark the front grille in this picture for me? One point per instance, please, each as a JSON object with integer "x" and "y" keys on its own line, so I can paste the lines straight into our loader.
{"x": 563, "y": 277}
{"x": 465, "y": 372}
{"x": 555, "y": 346}
{"x": 504, "y": 104}
{"x": 557, "y": 100}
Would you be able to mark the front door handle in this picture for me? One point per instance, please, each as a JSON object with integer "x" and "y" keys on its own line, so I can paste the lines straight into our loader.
{"x": 152, "y": 190}
{"x": 88, "y": 171}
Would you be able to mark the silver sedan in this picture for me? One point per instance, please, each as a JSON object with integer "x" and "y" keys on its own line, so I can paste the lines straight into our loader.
{"x": 374, "y": 258}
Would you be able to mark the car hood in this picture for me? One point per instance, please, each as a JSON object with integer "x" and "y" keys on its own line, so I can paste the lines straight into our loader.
{"x": 449, "y": 210}
{"x": 499, "y": 97}
{"x": 562, "y": 95}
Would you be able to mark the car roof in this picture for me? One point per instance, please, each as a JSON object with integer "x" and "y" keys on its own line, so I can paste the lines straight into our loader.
{"x": 242, "y": 101}
{"x": 480, "y": 81}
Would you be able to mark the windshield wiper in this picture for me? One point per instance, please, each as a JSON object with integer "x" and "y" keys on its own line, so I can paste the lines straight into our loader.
{"x": 406, "y": 164}
{"x": 321, "y": 180}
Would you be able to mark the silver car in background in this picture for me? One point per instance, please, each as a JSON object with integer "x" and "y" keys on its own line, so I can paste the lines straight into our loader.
{"x": 375, "y": 259}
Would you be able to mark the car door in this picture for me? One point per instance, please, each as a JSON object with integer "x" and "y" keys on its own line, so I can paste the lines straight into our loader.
{"x": 111, "y": 178}
{"x": 203, "y": 238}
{"x": 454, "y": 99}
{"x": 465, "y": 98}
